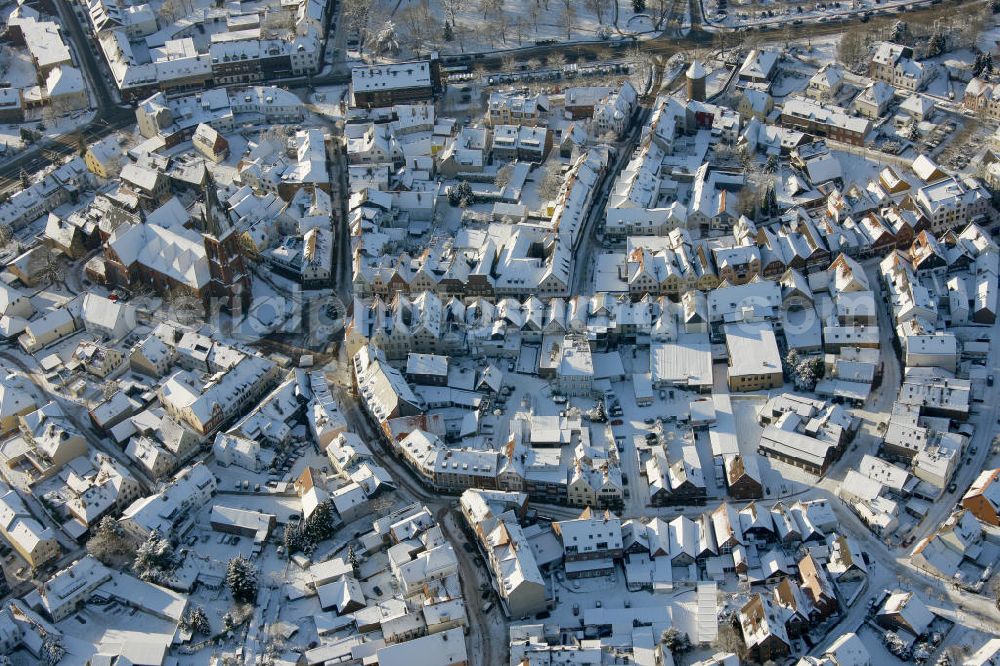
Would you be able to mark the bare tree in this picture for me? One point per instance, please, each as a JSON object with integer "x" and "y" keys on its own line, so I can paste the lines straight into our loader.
{"x": 501, "y": 22}
{"x": 483, "y": 33}
{"x": 534, "y": 11}
{"x": 518, "y": 25}
{"x": 4, "y": 60}
{"x": 597, "y": 7}
{"x": 966, "y": 32}
{"x": 169, "y": 12}
{"x": 567, "y": 18}
{"x": 358, "y": 14}
{"x": 508, "y": 64}
{"x": 462, "y": 34}
{"x": 640, "y": 66}
{"x": 659, "y": 9}
{"x": 109, "y": 390}
{"x": 419, "y": 23}
{"x": 490, "y": 8}
{"x": 551, "y": 182}
{"x": 185, "y": 306}
{"x": 852, "y": 49}
{"x": 746, "y": 202}
{"x": 51, "y": 269}
{"x": 728, "y": 640}
{"x": 453, "y": 7}
{"x": 557, "y": 60}
{"x": 504, "y": 174}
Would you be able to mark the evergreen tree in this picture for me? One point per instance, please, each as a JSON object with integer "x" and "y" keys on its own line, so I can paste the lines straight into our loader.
{"x": 639, "y": 6}
{"x": 983, "y": 64}
{"x": 900, "y": 32}
{"x": 241, "y": 578}
{"x": 937, "y": 45}
{"x": 675, "y": 641}
{"x": 805, "y": 373}
{"x": 449, "y": 32}
{"x": 292, "y": 540}
{"x": 196, "y": 621}
{"x": 461, "y": 195}
{"x": 352, "y": 559}
{"x": 154, "y": 558}
{"x": 319, "y": 526}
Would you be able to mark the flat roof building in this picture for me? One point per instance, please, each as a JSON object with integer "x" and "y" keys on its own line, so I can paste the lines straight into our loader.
{"x": 754, "y": 359}
{"x": 385, "y": 85}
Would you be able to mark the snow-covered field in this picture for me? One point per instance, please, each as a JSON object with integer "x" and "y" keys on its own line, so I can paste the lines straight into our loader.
{"x": 418, "y": 25}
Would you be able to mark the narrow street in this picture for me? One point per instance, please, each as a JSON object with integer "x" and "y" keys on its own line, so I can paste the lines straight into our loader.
{"x": 491, "y": 651}
{"x": 880, "y": 402}
{"x": 582, "y": 282}
{"x": 973, "y": 459}
{"x": 343, "y": 275}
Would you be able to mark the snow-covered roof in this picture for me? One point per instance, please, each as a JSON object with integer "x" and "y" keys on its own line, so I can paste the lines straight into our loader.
{"x": 176, "y": 252}
{"x": 696, "y": 70}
